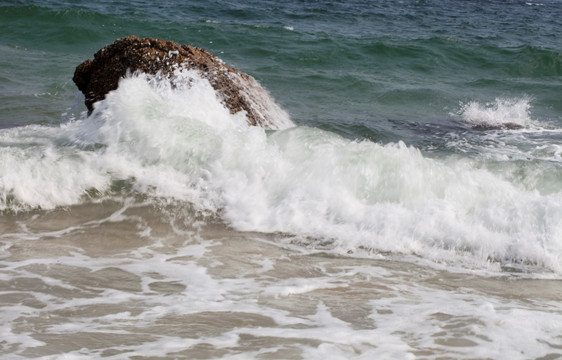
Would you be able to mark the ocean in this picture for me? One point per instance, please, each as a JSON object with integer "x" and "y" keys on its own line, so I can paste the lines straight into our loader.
{"x": 413, "y": 211}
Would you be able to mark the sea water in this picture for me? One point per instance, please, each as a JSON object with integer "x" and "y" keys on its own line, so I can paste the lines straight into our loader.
{"x": 383, "y": 223}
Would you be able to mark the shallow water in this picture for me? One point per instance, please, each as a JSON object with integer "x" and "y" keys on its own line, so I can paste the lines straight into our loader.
{"x": 132, "y": 285}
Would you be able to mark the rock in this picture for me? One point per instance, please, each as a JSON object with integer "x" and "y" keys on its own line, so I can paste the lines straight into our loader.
{"x": 238, "y": 91}
{"x": 504, "y": 126}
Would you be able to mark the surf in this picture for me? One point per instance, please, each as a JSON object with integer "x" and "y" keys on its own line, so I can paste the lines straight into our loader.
{"x": 325, "y": 191}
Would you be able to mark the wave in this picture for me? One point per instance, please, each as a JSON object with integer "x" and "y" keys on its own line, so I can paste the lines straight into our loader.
{"x": 455, "y": 54}
{"x": 326, "y": 191}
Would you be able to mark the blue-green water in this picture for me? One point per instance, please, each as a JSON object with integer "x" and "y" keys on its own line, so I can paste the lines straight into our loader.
{"x": 164, "y": 227}
{"x": 357, "y": 62}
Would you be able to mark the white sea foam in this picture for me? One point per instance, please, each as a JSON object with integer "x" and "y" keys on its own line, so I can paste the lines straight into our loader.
{"x": 328, "y": 192}
{"x": 499, "y": 112}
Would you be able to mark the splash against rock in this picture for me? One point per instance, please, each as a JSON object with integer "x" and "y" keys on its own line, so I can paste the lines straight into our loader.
{"x": 237, "y": 90}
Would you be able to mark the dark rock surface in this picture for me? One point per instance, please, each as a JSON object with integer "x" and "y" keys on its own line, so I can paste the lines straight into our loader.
{"x": 504, "y": 126}
{"x": 238, "y": 91}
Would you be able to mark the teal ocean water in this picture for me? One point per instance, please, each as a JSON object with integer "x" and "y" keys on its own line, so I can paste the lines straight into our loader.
{"x": 414, "y": 210}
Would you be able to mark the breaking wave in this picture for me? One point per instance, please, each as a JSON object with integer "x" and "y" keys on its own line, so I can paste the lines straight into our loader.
{"x": 498, "y": 113}
{"x": 322, "y": 190}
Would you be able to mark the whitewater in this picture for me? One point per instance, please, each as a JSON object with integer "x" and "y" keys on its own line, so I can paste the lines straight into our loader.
{"x": 182, "y": 144}
{"x": 234, "y": 226}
